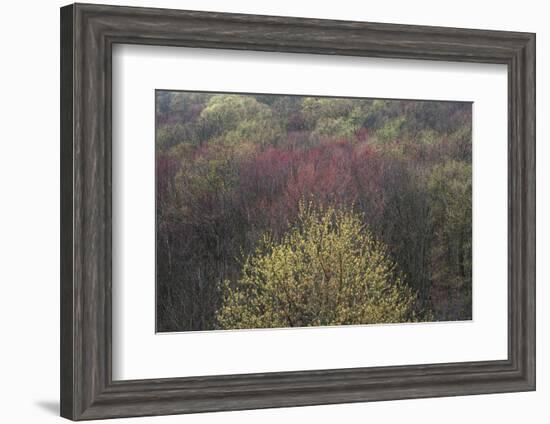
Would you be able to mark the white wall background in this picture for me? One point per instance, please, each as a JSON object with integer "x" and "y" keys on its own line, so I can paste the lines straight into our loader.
{"x": 29, "y": 211}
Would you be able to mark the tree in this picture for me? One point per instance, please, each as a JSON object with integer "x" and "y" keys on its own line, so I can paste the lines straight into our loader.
{"x": 450, "y": 188}
{"x": 230, "y": 119}
{"x": 327, "y": 270}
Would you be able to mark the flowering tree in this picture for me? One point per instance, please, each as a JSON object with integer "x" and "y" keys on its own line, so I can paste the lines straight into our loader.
{"x": 327, "y": 270}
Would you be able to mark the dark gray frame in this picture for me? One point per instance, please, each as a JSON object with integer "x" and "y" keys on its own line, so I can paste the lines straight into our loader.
{"x": 88, "y": 33}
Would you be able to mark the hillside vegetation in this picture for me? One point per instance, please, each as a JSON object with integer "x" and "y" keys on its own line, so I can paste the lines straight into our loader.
{"x": 277, "y": 211}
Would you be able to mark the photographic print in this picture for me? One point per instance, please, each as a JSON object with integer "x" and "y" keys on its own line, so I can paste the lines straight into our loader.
{"x": 276, "y": 211}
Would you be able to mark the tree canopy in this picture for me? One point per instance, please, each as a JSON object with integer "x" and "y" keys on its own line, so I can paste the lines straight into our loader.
{"x": 231, "y": 168}
{"x": 327, "y": 270}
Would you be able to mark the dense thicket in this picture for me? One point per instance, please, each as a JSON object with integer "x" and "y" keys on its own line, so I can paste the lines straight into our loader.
{"x": 234, "y": 169}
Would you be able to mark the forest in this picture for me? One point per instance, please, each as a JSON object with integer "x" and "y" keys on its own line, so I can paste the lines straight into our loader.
{"x": 293, "y": 211}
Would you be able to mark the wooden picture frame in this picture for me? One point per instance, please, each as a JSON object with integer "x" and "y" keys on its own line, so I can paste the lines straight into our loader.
{"x": 88, "y": 33}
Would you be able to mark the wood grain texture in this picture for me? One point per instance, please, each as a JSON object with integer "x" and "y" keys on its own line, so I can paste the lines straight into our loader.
{"x": 88, "y": 33}
{"x": 66, "y": 213}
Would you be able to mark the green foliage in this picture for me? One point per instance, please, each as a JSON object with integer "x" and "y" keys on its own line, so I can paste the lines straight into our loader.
{"x": 214, "y": 172}
{"x": 391, "y": 130}
{"x": 227, "y": 111}
{"x": 185, "y": 103}
{"x": 211, "y": 175}
{"x": 315, "y": 109}
{"x": 176, "y": 118}
{"x": 169, "y": 136}
{"x": 429, "y": 137}
{"x": 260, "y": 132}
{"x": 327, "y": 270}
{"x": 230, "y": 119}
{"x": 232, "y": 167}
{"x": 336, "y": 128}
{"x": 450, "y": 188}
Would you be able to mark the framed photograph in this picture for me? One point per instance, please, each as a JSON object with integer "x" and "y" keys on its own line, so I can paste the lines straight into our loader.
{"x": 263, "y": 212}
